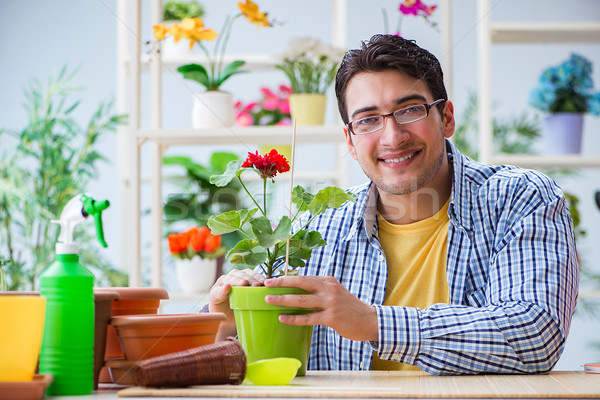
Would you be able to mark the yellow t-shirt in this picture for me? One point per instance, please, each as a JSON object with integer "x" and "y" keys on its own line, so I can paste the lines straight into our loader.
{"x": 416, "y": 261}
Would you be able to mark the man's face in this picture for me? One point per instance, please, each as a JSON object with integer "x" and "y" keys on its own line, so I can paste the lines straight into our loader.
{"x": 399, "y": 159}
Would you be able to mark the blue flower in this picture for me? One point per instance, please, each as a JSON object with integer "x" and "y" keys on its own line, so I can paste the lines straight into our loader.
{"x": 567, "y": 87}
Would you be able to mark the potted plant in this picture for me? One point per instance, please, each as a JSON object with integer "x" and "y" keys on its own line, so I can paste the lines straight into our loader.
{"x": 212, "y": 108}
{"x": 272, "y": 109}
{"x": 565, "y": 92}
{"x": 310, "y": 65}
{"x": 278, "y": 252}
{"x": 176, "y": 11}
{"x": 196, "y": 251}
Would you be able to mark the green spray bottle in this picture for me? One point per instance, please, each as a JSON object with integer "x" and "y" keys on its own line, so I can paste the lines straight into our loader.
{"x": 68, "y": 344}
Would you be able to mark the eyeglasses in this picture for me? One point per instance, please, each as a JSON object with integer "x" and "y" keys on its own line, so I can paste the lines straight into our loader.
{"x": 402, "y": 116}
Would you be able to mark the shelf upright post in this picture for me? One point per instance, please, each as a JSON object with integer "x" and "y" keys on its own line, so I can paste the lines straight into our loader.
{"x": 446, "y": 24}
{"x": 484, "y": 97}
{"x": 122, "y": 132}
{"x": 135, "y": 125}
{"x": 156, "y": 150}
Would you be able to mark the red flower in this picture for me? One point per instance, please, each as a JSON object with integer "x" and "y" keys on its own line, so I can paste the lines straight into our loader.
{"x": 178, "y": 242}
{"x": 212, "y": 243}
{"x": 268, "y": 165}
{"x": 198, "y": 238}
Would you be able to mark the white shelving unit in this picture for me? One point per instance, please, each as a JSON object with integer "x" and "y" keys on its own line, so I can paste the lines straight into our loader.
{"x": 490, "y": 33}
{"x": 131, "y": 140}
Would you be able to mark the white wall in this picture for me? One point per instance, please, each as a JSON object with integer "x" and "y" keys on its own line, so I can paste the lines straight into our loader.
{"x": 40, "y": 36}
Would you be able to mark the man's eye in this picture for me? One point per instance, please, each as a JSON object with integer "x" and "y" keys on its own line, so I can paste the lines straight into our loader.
{"x": 411, "y": 110}
{"x": 367, "y": 121}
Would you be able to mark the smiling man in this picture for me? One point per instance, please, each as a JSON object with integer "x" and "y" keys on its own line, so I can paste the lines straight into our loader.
{"x": 443, "y": 263}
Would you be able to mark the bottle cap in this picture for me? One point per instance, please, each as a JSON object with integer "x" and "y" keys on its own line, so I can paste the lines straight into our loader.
{"x": 67, "y": 248}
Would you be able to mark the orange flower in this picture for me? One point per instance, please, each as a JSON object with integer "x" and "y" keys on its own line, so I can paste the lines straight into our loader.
{"x": 213, "y": 242}
{"x": 160, "y": 31}
{"x": 198, "y": 239}
{"x": 251, "y": 11}
{"x": 178, "y": 242}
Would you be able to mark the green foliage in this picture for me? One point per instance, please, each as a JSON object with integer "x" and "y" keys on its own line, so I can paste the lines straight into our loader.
{"x": 199, "y": 198}
{"x": 177, "y": 10}
{"x": 52, "y": 160}
{"x": 213, "y": 80}
{"x": 511, "y": 135}
{"x": 263, "y": 245}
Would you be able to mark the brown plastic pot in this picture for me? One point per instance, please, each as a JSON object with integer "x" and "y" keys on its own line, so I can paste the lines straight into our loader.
{"x": 145, "y": 336}
{"x": 131, "y": 301}
{"x": 103, "y": 311}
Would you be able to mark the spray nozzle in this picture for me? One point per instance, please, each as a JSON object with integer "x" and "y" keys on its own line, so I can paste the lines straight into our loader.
{"x": 95, "y": 208}
{"x": 75, "y": 212}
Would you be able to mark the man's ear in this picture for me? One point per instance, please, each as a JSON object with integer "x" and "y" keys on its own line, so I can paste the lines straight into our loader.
{"x": 349, "y": 143}
{"x": 448, "y": 122}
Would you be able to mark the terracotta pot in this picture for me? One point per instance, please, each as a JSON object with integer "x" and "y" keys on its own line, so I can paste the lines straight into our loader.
{"x": 145, "y": 336}
{"x": 132, "y": 301}
{"x": 121, "y": 371}
{"x": 103, "y": 310}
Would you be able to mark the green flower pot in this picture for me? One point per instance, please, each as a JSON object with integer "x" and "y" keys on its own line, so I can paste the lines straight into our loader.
{"x": 260, "y": 333}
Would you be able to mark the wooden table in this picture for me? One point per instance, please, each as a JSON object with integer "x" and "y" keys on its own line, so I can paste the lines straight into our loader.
{"x": 394, "y": 384}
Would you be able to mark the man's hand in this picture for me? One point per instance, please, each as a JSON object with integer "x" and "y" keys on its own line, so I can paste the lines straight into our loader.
{"x": 335, "y": 306}
{"x": 219, "y": 296}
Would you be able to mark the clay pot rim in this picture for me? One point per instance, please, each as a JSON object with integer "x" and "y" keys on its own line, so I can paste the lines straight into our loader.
{"x": 158, "y": 319}
{"x": 104, "y": 296}
{"x": 136, "y": 293}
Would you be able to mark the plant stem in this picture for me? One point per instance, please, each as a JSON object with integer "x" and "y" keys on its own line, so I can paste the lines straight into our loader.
{"x": 252, "y": 197}
{"x": 265, "y": 195}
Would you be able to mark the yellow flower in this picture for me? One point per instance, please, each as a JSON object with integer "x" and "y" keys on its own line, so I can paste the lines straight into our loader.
{"x": 194, "y": 28}
{"x": 251, "y": 11}
{"x": 160, "y": 31}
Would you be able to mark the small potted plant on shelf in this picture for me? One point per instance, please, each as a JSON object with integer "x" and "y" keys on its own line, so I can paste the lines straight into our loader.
{"x": 175, "y": 11}
{"x": 566, "y": 93}
{"x": 310, "y": 65}
{"x": 272, "y": 109}
{"x": 196, "y": 251}
{"x": 212, "y": 108}
{"x": 277, "y": 251}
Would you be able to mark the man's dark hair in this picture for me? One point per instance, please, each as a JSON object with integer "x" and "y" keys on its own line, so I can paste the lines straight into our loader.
{"x": 390, "y": 52}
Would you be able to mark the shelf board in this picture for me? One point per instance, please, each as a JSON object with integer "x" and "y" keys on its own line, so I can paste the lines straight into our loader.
{"x": 537, "y": 161}
{"x": 529, "y": 32}
{"x": 254, "y": 62}
{"x": 254, "y": 135}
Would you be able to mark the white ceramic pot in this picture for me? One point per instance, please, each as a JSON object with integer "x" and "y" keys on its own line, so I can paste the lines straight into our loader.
{"x": 175, "y": 51}
{"x": 213, "y": 109}
{"x": 196, "y": 275}
{"x": 563, "y": 133}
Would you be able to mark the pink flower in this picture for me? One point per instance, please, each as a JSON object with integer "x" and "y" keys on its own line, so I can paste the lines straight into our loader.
{"x": 267, "y": 92}
{"x": 415, "y": 7}
{"x": 270, "y": 103}
{"x": 244, "y": 119}
{"x": 285, "y": 90}
{"x": 284, "y": 122}
{"x": 284, "y": 106}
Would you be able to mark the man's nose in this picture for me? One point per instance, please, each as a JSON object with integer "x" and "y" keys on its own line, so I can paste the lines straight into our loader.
{"x": 393, "y": 133}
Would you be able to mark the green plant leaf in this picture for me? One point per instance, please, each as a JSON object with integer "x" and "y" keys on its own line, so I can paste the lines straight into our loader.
{"x": 230, "y": 70}
{"x": 328, "y": 197}
{"x": 195, "y": 72}
{"x": 248, "y": 252}
{"x": 220, "y": 159}
{"x": 301, "y": 198}
{"x": 230, "y": 221}
{"x": 233, "y": 170}
{"x": 261, "y": 227}
{"x": 312, "y": 239}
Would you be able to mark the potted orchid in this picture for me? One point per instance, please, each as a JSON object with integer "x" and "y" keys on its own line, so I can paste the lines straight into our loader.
{"x": 414, "y": 8}
{"x": 310, "y": 65}
{"x": 195, "y": 251}
{"x": 213, "y": 108}
{"x": 275, "y": 250}
{"x": 566, "y": 93}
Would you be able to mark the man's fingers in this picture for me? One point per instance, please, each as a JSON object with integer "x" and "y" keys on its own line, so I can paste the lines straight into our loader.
{"x": 301, "y": 319}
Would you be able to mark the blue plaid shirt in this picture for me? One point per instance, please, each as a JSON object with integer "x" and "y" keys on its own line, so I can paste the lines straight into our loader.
{"x": 511, "y": 269}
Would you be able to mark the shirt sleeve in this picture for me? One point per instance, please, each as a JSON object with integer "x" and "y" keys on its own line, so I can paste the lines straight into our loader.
{"x": 517, "y": 321}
